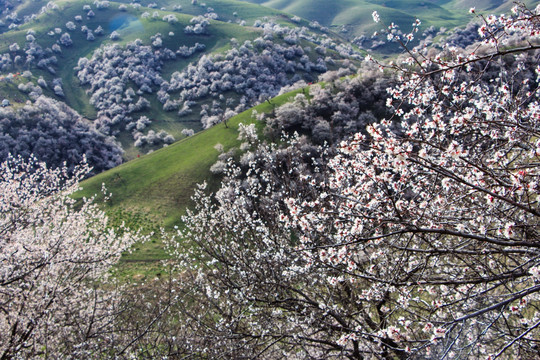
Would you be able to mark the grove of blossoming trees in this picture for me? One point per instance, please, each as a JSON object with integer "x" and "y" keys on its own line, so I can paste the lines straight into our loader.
{"x": 56, "y": 134}
{"x": 419, "y": 239}
{"x": 55, "y": 256}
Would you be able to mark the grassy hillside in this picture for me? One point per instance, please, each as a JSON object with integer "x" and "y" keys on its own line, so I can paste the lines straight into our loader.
{"x": 356, "y": 14}
{"x": 131, "y": 24}
{"x": 228, "y": 10}
{"x": 131, "y": 28}
{"x": 233, "y": 10}
{"x": 154, "y": 190}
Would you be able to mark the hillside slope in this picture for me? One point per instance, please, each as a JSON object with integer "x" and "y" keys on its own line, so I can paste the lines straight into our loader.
{"x": 153, "y": 191}
{"x": 160, "y": 184}
{"x": 127, "y": 22}
{"x": 354, "y": 16}
{"x": 146, "y": 77}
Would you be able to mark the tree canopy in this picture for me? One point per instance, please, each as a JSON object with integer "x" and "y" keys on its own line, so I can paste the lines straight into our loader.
{"x": 418, "y": 238}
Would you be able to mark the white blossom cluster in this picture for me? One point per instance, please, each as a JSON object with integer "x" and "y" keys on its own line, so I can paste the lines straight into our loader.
{"x": 437, "y": 214}
{"x": 252, "y": 70}
{"x": 108, "y": 74}
{"x": 56, "y": 135}
{"x": 53, "y": 254}
{"x": 418, "y": 239}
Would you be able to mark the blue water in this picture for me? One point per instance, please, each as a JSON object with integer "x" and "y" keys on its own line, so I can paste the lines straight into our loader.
{"x": 121, "y": 21}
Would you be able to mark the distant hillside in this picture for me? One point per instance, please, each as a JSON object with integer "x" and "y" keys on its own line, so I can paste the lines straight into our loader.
{"x": 147, "y": 74}
{"x": 353, "y": 17}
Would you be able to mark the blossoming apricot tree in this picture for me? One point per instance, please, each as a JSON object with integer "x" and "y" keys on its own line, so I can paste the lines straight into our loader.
{"x": 54, "y": 260}
{"x": 432, "y": 224}
{"x": 418, "y": 239}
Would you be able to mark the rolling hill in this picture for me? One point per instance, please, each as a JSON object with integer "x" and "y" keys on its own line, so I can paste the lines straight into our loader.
{"x": 168, "y": 67}
{"x": 154, "y": 190}
{"x": 152, "y": 72}
{"x": 353, "y": 17}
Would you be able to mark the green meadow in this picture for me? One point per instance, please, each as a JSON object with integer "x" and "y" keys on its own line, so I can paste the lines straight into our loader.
{"x": 153, "y": 191}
